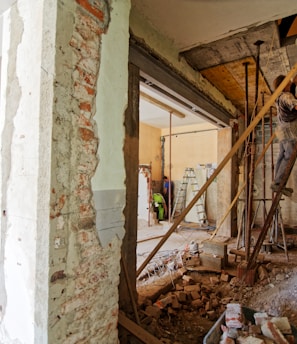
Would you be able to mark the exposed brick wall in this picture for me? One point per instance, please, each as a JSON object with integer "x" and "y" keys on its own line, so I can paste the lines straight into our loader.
{"x": 83, "y": 303}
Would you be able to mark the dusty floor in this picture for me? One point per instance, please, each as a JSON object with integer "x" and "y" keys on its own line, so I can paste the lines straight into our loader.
{"x": 274, "y": 293}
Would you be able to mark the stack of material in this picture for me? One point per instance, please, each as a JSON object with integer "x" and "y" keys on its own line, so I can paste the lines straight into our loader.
{"x": 264, "y": 329}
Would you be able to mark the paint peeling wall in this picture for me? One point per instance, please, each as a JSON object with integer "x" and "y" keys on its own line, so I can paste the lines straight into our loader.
{"x": 108, "y": 183}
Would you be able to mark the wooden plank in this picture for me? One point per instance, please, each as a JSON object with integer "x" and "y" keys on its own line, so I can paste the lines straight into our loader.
{"x": 229, "y": 78}
{"x": 131, "y": 153}
{"x": 151, "y": 238}
{"x": 134, "y": 305}
{"x": 260, "y": 257}
{"x": 162, "y": 105}
{"x": 137, "y": 330}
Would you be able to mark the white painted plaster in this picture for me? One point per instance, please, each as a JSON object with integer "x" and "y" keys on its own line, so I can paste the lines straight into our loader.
{"x": 25, "y": 161}
{"x": 108, "y": 183}
{"x": 4, "y": 6}
{"x": 223, "y": 185}
{"x": 143, "y": 198}
{"x": 111, "y": 101}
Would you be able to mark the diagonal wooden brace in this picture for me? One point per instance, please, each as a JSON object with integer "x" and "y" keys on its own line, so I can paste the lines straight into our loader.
{"x": 253, "y": 258}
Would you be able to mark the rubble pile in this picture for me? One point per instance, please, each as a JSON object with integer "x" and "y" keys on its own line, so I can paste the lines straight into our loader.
{"x": 186, "y": 313}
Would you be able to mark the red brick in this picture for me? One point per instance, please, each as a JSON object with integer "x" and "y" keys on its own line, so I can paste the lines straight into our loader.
{"x": 95, "y": 11}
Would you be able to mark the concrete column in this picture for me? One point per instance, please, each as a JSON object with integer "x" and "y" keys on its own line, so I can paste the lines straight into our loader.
{"x": 224, "y": 181}
{"x": 25, "y": 162}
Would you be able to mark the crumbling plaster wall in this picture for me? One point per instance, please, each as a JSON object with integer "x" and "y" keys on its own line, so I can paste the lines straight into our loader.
{"x": 223, "y": 183}
{"x": 108, "y": 183}
{"x": 59, "y": 283}
{"x": 84, "y": 270}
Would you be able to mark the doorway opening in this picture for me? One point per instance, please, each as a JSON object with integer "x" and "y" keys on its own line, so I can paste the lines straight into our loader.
{"x": 173, "y": 137}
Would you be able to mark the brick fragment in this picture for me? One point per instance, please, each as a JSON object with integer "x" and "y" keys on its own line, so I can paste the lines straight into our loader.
{"x": 197, "y": 303}
{"x": 153, "y": 311}
{"x": 181, "y": 296}
{"x": 162, "y": 303}
{"x": 260, "y": 318}
{"x": 250, "y": 340}
{"x": 93, "y": 8}
{"x": 187, "y": 279}
{"x": 211, "y": 315}
{"x": 171, "y": 311}
{"x": 195, "y": 295}
{"x": 214, "y": 280}
{"x": 174, "y": 302}
{"x": 270, "y": 330}
{"x": 215, "y": 302}
{"x": 179, "y": 287}
{"x": 262, "y": 272}
{"x": 282, "y": 323}
{"x": 202, "y": 312}
{"x": 225, "y": 277}
{"x": 190, "y": 288}
{"x": 205, "y": 298}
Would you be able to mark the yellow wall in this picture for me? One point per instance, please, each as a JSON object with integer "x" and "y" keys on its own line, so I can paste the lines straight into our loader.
{"x": 190, "y": 146}
{"x": 150, "y": 149}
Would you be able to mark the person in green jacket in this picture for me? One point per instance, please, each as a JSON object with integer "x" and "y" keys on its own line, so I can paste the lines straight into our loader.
{"x": 159, "y": 205}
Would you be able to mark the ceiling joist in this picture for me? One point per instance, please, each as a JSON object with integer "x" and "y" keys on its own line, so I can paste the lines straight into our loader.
{"x": 162, "y": 105}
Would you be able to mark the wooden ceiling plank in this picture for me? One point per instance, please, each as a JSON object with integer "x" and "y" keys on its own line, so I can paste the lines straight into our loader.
{"x": 230, "y": 79}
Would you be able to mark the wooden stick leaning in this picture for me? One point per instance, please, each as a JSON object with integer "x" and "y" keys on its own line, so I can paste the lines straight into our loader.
{"x": 242, "y": 187}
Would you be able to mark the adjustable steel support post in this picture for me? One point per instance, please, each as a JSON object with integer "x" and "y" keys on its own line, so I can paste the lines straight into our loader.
{"x": 275, "y": 203}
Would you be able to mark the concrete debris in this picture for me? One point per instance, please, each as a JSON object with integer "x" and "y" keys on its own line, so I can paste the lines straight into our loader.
{"x": 270, "y": 330}
{"x": 239, "y": 330}
{"x": 233, "y": 315}
{"x": 282, "y": 323}
{"x": 260, "y": 318}
{"x": 262, "y": 272}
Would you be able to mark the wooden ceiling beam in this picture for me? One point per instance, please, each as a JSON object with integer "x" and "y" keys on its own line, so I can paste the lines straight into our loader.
{"x": 162, "y": 105}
